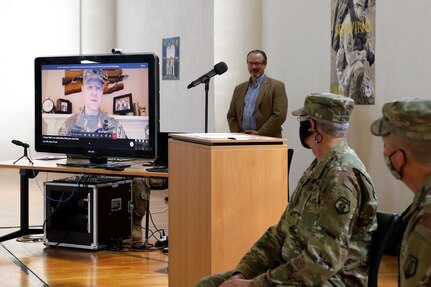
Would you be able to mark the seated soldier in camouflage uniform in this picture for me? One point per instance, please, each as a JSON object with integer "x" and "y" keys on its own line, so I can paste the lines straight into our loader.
{"x": 141, "y": 197}
{"x": 324, "y": 236}
{"x": 406, "y": 131}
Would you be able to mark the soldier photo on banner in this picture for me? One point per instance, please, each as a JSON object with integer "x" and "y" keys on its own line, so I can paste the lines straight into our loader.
{"x": 352, "y": 49}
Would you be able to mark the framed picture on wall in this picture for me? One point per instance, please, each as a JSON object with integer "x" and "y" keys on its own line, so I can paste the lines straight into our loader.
{"x": 123, "y": 104}
{"x": 171, "y": 58}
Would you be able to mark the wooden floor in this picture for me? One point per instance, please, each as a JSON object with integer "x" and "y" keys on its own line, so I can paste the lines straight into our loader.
{"x": 388, "y": 272}
{"x": 33, "y": 264}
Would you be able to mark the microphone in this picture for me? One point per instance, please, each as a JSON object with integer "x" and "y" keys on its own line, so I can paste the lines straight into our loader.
{"x": 219, "y": 69}
{"x": 20, "y": 143}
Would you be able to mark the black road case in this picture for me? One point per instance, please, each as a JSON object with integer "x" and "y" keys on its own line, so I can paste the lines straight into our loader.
{"x": 89, "y": 212}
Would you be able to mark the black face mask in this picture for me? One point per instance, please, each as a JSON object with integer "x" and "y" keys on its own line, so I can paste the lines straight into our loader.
{"x": 304, "y": 132}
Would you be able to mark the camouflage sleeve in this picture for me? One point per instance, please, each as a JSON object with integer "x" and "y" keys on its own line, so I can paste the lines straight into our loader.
{"x": 265, "y": 253}
{"x": 415, "y": 253}
{"x": 319, "y": 248}
{"x": 64, "y": 129}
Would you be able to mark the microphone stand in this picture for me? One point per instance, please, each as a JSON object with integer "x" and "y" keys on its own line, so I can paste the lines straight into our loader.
{"x": 25, "y": 155}
{"x": 207, "y": 85}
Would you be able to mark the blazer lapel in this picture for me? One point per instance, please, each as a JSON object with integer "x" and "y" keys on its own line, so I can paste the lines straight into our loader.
{"x": 242, "y": 93}
{"x": 262, "y": 91}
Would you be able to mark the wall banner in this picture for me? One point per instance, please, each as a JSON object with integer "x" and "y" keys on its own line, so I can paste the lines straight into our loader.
{"x": 353, "y": 41}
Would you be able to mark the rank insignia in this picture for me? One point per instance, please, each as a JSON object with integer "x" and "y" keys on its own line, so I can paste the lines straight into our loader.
{"x": 105, "y": 125}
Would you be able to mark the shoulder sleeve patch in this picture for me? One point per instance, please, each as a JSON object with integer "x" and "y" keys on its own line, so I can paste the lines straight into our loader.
{"x": 410, "y": 266}
{"x": 342, "y": 205}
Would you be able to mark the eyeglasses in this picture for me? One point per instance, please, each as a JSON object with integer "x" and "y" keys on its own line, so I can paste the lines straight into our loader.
{"x": 257, "y": 64}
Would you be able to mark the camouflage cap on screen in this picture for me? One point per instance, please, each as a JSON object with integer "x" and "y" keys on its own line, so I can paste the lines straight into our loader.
{"x": 408, "y": 118}
{"x": 327, "y": 106}
{"x": 94, "y": 74}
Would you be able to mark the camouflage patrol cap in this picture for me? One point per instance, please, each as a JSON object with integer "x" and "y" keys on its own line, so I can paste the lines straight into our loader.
{"x": 326, "y": 106}
{"x": 94, "y": 74}
{"x": 408, "y": 118}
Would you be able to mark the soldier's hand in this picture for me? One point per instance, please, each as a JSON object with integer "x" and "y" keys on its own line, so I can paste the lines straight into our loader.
{"x": 238, "y": 276}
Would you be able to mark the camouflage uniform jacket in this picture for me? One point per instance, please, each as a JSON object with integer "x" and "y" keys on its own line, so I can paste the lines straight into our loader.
{"x": 415, "y": 255}
{"x": 78, "y": 123}
{"x": 323, "y": 237}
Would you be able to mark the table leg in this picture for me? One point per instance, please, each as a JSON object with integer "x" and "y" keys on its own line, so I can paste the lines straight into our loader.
{"x": 147, "y": 220}
{"x": 25, "y": 175}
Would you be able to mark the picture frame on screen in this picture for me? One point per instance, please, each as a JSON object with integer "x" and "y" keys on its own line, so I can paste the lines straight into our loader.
{"x": 64, "y": 106}
{"x": 122, "y": 104}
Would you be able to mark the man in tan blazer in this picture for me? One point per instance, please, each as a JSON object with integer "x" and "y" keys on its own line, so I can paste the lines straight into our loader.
{"x": 258, "y": 106}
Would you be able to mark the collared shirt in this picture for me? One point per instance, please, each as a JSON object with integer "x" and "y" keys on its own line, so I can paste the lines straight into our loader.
{"x": 249, "y": 120}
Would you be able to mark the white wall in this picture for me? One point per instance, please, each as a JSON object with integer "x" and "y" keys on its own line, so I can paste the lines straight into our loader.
{"x": 237, "y": 30}
{"x": 98, "y": 26}
{"x": 141, "y": 26}
{"x": 29, "y": 29}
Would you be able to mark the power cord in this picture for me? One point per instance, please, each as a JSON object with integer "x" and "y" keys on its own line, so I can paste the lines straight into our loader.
{"x": 161, "y": 242}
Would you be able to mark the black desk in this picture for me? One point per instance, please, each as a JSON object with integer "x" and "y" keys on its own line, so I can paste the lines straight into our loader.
{"x": 28, "y": 171}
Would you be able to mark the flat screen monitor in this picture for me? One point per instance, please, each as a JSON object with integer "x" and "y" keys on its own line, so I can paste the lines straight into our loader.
{"x": 97, "y": 106}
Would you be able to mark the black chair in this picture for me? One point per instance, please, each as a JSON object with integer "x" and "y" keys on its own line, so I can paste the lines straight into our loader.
{"x": 289, "y": 158}
{"x": 385, "y": 223}
{"x": 289, "y": 161}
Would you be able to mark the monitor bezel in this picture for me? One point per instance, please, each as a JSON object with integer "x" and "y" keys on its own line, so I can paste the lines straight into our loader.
{"x": 105, "y": 152}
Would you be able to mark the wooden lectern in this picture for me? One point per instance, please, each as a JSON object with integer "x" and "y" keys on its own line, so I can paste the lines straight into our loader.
{"x": 225, "y": 191}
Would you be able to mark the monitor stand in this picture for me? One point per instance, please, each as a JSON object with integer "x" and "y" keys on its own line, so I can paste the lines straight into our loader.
{"x": 79, "y": 161}
{"x": 99, "y": 162}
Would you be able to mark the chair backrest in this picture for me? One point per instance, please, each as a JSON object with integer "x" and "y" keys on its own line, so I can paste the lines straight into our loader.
{"x": 289, "y": 161}
{"x": 289, "y": 158}
{"x": 385, "y": 223}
